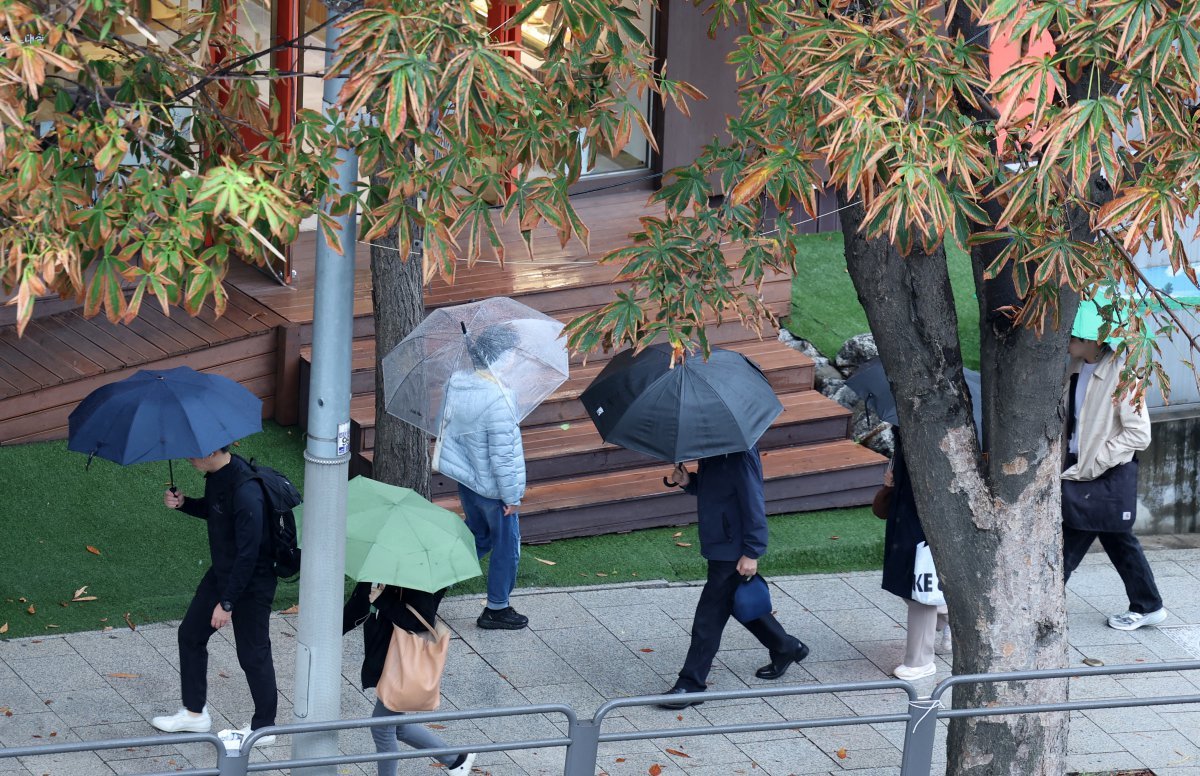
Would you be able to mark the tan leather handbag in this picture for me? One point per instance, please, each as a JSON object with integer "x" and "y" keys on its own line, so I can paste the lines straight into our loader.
{"x": 412, "y": 670}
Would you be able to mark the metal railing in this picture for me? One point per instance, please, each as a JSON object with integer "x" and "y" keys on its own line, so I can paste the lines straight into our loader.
{"x": 584, "y": 737}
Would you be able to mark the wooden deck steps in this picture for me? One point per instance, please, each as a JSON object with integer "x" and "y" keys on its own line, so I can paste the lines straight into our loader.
{"x": 63, "y": 356}
{"x": 578, "y": 485}
{"x": 820, "y": 476}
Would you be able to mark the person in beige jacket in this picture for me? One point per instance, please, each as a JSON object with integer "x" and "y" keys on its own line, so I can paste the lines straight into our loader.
{"x": 1100, "y": 478}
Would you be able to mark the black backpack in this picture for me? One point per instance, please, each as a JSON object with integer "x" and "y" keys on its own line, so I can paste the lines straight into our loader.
{"x": 281, "y": 497}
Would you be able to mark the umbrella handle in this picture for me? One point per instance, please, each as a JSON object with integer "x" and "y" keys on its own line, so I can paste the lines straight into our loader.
{"x": 171, "y": 471}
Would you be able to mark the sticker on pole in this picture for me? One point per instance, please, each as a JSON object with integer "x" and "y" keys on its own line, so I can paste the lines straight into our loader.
{"x": 343, "y": 438}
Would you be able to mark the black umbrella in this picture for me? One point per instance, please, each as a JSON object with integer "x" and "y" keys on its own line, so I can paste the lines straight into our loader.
{"x": 870, "y": 382}
{"x": 695, "y": 410}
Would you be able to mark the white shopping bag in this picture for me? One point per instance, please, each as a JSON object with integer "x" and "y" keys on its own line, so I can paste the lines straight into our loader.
{"x": 926, "y": 587}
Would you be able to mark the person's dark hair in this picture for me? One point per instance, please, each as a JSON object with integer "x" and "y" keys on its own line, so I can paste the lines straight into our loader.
{"x": 494, "y": 342}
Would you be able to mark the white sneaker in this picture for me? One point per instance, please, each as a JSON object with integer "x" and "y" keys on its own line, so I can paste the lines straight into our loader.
{"x": 1132, "y": 620}
{"x": 183, "y": 721}
{"x": 910, "y": 673}
{"x": 943, "y": 646}
{"x": 234, "y": 737}
{"x": 465, "y": 768}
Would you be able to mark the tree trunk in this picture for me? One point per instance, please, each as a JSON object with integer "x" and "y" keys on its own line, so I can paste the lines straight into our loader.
{"x": 993, "y": 521}
{"x": 401, "y": 449}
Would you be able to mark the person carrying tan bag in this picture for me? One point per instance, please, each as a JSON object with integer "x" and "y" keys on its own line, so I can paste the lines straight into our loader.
{"x": 404, "y": 656}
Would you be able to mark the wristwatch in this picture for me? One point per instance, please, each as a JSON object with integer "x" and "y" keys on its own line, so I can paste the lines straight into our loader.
{"x": 227, "y": 606}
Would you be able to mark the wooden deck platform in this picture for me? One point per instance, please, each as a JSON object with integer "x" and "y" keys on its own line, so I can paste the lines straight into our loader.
{"x": 578, "y": 484}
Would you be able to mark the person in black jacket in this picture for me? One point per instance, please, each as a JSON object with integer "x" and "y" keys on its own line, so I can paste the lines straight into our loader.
{"x": 391, "y": 609}
{"x": 239, "y": 587}
{"x": 928, "y": 631}
{"x": 733, "y": 536}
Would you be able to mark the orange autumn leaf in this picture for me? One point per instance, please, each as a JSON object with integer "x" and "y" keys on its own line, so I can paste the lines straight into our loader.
{"x": 620, "y": 759}
{"x": 129, "y": 622}
{"x": 435, "y": 726}
{"x": 93, "y": 550}
{"x": 678, "y": 753}
{"x": 841, "y": 753}
{"x": 122, "y": 675}
{"x": 645, "y": 649}
{"x": 293, "y": 609}
{"x": 655, "y": 770}
{"x": 4, "y": 628}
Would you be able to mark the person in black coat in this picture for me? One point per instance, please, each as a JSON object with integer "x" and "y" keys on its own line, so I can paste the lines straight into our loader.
{"x": 733, "y": 536}
{"x": 239, "y": 587}
{"x": 927, "y": 625}
{"x": 378, "y": 612}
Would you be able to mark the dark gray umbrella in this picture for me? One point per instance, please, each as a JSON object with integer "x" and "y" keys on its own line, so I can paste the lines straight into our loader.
{"x": 870, "y": 382}
{"x": 695, "y": 410}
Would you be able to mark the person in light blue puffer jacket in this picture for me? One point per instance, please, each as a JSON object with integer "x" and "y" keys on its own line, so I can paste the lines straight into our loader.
{"x": 480, "y": 448}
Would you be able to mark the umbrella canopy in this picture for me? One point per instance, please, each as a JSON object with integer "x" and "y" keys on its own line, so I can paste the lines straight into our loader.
{"x": 695, "y": 410}
{"x": 157, "y": 415}
{"x": 517, "y": 346}
{"x": 871, "y": 383}
{"x": 396, "y": 537}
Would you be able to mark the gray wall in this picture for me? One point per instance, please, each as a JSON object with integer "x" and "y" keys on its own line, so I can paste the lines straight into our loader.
{"x": 1169, "y": 476}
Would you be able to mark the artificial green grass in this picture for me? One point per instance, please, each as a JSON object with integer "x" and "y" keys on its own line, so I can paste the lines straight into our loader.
{"x": 825, "y": 309}
{"x": 150, "y": 558}
{"x": 808, "y": 543}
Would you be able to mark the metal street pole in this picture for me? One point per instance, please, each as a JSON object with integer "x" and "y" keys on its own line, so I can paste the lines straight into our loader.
{"x": 326, "y": 464}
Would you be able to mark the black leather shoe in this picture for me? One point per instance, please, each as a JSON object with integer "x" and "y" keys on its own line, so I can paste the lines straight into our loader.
{"x": 681, "y": 704}
{"x": 777, "y": 668}
{"x": 502, "y": 619}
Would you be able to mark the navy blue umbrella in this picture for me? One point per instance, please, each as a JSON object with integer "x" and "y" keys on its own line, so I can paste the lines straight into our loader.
{"x": 158, "y": 415}
{"x": 695, "y": 410}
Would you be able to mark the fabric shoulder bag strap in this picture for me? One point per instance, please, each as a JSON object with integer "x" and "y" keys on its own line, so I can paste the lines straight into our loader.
{"x": 432, "y": 630}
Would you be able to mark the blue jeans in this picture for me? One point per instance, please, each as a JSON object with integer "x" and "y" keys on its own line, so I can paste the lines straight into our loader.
{"x": 498, "y": 534}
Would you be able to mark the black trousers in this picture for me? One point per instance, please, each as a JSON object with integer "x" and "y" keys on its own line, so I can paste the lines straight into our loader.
{"x": 252, "y": 636}
{"x": 1125, "y": 552}
{"x": 712, "y": 613}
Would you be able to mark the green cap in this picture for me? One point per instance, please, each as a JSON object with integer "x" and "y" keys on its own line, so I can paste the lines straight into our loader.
{"x": 1088, "y": 321}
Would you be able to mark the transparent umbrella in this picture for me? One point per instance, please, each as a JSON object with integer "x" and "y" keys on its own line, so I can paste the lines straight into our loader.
{"x": 508, "y": 343}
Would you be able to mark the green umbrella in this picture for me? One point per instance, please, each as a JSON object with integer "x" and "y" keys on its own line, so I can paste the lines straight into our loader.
{"x": 396, "y": 537}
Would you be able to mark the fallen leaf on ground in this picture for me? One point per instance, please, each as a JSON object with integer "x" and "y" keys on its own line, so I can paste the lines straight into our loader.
{"x": 620, "y": 760}
{"x": 222, "y": 674}
{"x": 93, "y": 550}
{"x": 655, "y": 770}
{"x": 678, "y": 753}
{"x": 80, "y": 591}
{"x": 601, "y": 574}
{"x": 103, "y": 619}
{"x": 53, "y": 733}
{"x": 121, "y": 675}
{"x": 7, "y": 711}
{"x": 129, "y": 622}
{"x": 835, "y": 538}
{"x": 63, "y": 604}
{"x": 584, "y": 575}
{"x": 677, "y": 534}
{"x": 679, "y": 717}
{"x": 543, "y": 560}
{"x": 841, "y": 753}
{"x": 106, "y": 628}
{"x": 4, "y": 628}
{"x": 23, "y": 599}
{"x": 294, "y": 609}
{"x": 683, "y": 544}
{"x": 52, "y": 625}
{"x": 435, "y": 726}
{"x": 32, "y": 609}
{"x": 48, "y": 702}
{"x": 85, "y": 598}
{"x": 645, "y": 649}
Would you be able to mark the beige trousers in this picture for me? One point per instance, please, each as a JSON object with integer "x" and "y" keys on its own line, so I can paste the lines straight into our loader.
{"x": 924, "y": 624}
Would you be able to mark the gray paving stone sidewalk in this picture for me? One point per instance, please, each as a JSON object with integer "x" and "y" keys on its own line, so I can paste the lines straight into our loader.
{"x": 588, "y": 645}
